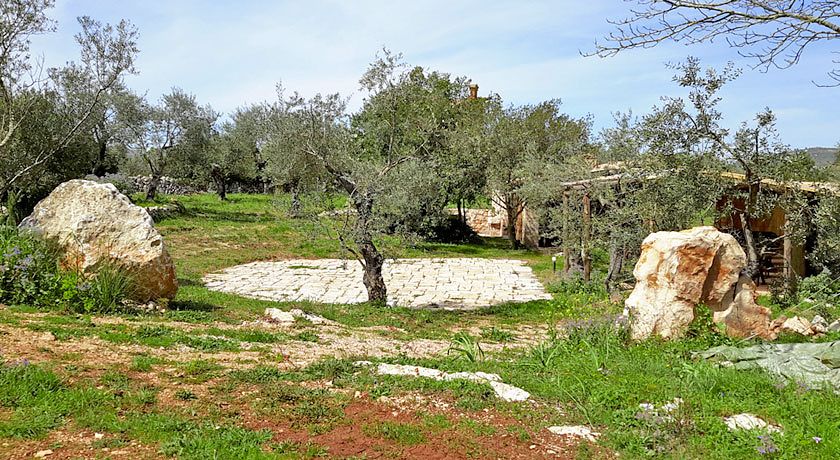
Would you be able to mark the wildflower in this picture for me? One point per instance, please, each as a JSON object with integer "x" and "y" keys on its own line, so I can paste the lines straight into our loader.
{"x": 767, "y": 445}
{"x": 817, "y": 439}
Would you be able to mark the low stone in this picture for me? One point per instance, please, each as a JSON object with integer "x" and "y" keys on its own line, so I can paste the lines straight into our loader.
{"x": 503, "y": 390}
{"x": 94, "y": 225}
{"x": 834, "y": 327}
{"x": 314, "y": 319}
{"x": 819, "y": 324}
{"x": 278, "y": 315}
{"x": 744, "y": 318}
{"x": 576, "y": 431}
{"x": 798, "y": 325}
{"x": 746, "y": 421}
{"x": 509, "y": 393}
{"x": 819, "y": 320}
{"x": 43, "y": 453}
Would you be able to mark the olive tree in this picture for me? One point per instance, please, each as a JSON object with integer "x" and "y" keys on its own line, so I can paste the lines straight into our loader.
{"x": 107, "y": 53}
{"x": 690, "y": 132}
{"x": 520, "y": 141}
{"x": 160, "y": 133}
{"x": 402, "y": 121}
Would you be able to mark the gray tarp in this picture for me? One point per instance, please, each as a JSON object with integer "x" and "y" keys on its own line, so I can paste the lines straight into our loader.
{"x": 814, "y": 364}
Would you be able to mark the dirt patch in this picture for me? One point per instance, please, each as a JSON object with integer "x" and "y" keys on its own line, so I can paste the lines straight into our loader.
{"x": 456, "y": 436}
{"x": 66, "y": 445}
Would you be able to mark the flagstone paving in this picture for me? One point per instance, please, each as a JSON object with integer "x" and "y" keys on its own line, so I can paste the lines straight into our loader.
{"x": 456, "y": 283}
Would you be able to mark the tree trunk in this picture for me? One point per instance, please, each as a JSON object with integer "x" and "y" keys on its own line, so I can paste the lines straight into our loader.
{"x": 151, "y": 190}
{"x": 219, "y": 178}
{"x": 753, "y": 263}
{"x": 294, "y": 207}
{"x": 617, "y": 254}
{"x": 567, "y": 236}
{"x": 512, "y": 210}
{"x": 373, "y": 260}
{"x": 373, "y": 279}
{"x": 99, "y": 169}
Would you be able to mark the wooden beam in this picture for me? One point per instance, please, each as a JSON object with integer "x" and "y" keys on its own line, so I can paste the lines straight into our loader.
{"x": 587, "y": 236}
{"x": 567, "y": 248}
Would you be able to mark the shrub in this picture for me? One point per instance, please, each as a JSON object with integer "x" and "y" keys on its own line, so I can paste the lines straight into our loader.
{"x": 31, "y": 275}
{"x": 29, "y": 272}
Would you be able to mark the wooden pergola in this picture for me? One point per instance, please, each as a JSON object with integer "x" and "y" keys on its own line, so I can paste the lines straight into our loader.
{"x": 793, "y": 254}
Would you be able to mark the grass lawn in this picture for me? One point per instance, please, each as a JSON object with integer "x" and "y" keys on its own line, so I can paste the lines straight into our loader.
{"x": 205, "y": 379}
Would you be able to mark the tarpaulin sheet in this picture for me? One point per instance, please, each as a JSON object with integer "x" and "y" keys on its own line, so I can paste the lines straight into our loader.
{"x": 814, "y": 364}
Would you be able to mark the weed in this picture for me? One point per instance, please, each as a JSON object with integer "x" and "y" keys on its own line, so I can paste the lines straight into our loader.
{"x": 401, "y": 433}
{"x": 185, "y": 395}
{"x": 144, "y": 363}
{"x": 466, "y": 347}
{"x": 493, "y": 334}
{"x": 200, "y": 370}
{"x": 307, "y": 336}
{"x": 217, "y": 442}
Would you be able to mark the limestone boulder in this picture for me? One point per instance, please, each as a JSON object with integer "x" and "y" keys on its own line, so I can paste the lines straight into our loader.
{"x": 679, "y": 270}
{"x": 94, "y": 224}
{"x": 741, "y": 316}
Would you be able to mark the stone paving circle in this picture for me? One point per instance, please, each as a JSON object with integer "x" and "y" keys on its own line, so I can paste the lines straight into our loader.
{"x": 455, "y": 284}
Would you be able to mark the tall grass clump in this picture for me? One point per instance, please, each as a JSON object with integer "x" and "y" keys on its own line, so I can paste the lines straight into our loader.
{"x": 108, "y": 288}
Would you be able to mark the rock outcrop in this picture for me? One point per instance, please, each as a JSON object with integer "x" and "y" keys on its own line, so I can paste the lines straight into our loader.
{"x": 679, "y": 270}
{"x": 94, "y": 224}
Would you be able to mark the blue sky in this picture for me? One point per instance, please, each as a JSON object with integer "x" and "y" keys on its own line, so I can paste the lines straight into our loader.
{"x": 233, "y": 53}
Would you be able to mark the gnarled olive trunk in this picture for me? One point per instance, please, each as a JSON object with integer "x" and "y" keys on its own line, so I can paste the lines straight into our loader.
{"x": 753, "y": 263}
{"x": 219, "y": 179}
{"x": 372, "y": 259}
{"x": 373, "y": 279}
{"x": 151, "y": 189}
{"x": 512, "y": 208}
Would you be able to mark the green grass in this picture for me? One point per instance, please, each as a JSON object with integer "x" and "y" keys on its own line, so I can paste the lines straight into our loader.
{"x": 591, "y": 376}
{"x": 401, "y": 433}
{"x": 213, "y": 235}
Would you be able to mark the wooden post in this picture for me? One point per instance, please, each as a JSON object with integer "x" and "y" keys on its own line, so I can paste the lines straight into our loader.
{"x": 587, "y": 235}
{"x": 567, "y": 248}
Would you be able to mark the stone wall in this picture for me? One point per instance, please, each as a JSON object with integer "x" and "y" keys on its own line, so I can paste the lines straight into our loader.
{"x": 493, "y": 223}
{"x": 167, "y": 185}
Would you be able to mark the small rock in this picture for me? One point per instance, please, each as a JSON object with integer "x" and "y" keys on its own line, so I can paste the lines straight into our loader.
{"x": 819, "y": 320}
{"x": 98, "y": 435}
{"x": 798, "y": 325}
{"x": 43, "y": 453}
{"x": 280, "y": 316}
{"x": 749, "y": 422}
{"x": 834, "y": 327}
{"x": 48, "y": 337}
{"x": 314, "y": 319}
{"x": 819, "y": 325}
{"x": 577, "y": 431}
{"x": 286, "y": 317}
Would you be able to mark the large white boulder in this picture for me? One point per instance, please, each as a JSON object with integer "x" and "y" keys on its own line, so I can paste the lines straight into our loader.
{"x": 679, "y": 270}
{"x": 94, "y": 224}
